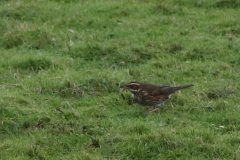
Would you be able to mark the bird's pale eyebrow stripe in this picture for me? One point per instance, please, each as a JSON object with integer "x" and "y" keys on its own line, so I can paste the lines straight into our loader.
{"x": 133, "y": 84}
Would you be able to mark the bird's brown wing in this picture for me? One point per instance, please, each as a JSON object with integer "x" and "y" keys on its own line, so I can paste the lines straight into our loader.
{"x": 164, "y": 91}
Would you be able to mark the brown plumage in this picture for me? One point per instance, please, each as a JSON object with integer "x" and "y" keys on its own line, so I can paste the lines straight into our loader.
{"x": 151, "y": 95}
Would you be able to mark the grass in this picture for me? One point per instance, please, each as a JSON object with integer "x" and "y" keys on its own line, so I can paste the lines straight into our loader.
{"x": 64, "y": 60}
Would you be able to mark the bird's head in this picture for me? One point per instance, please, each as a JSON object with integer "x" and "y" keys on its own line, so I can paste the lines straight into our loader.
{"x": 132, "y": 86}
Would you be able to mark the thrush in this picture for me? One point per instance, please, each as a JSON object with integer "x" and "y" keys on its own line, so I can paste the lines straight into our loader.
{"x": 151, "y": 95}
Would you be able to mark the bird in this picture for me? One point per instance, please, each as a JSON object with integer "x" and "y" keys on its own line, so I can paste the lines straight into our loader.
{"x": 147, "y": 94}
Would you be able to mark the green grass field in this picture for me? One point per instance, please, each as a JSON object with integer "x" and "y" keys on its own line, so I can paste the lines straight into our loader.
{"x": 62, "y": 62}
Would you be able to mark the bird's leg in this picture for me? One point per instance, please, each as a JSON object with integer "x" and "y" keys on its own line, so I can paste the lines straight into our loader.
{"x": 153, "y": 110}
{"x": 172, "y": 105}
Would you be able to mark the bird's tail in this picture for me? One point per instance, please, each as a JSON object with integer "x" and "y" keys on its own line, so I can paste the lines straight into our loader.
{"x": 171, "y": 90}
{"x": 185, "y": 86}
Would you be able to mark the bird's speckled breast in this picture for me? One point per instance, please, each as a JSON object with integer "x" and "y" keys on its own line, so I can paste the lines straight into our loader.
{"x": 147, "y": 102}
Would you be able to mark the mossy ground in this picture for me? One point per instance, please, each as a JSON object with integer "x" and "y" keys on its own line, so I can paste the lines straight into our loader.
{"x": 62, "y": 62}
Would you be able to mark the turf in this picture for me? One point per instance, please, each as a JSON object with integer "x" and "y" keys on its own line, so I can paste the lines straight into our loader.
{"x": 62, "y": 62}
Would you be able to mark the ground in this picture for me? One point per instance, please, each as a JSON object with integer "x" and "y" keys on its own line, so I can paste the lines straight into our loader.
{"x": 63, "y": 61}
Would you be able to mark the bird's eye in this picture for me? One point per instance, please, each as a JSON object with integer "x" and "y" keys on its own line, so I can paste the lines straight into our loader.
{"x": 134, "y": 87}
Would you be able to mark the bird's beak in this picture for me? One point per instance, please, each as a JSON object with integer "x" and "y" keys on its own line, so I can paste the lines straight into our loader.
{"x": 123, "y": 86}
